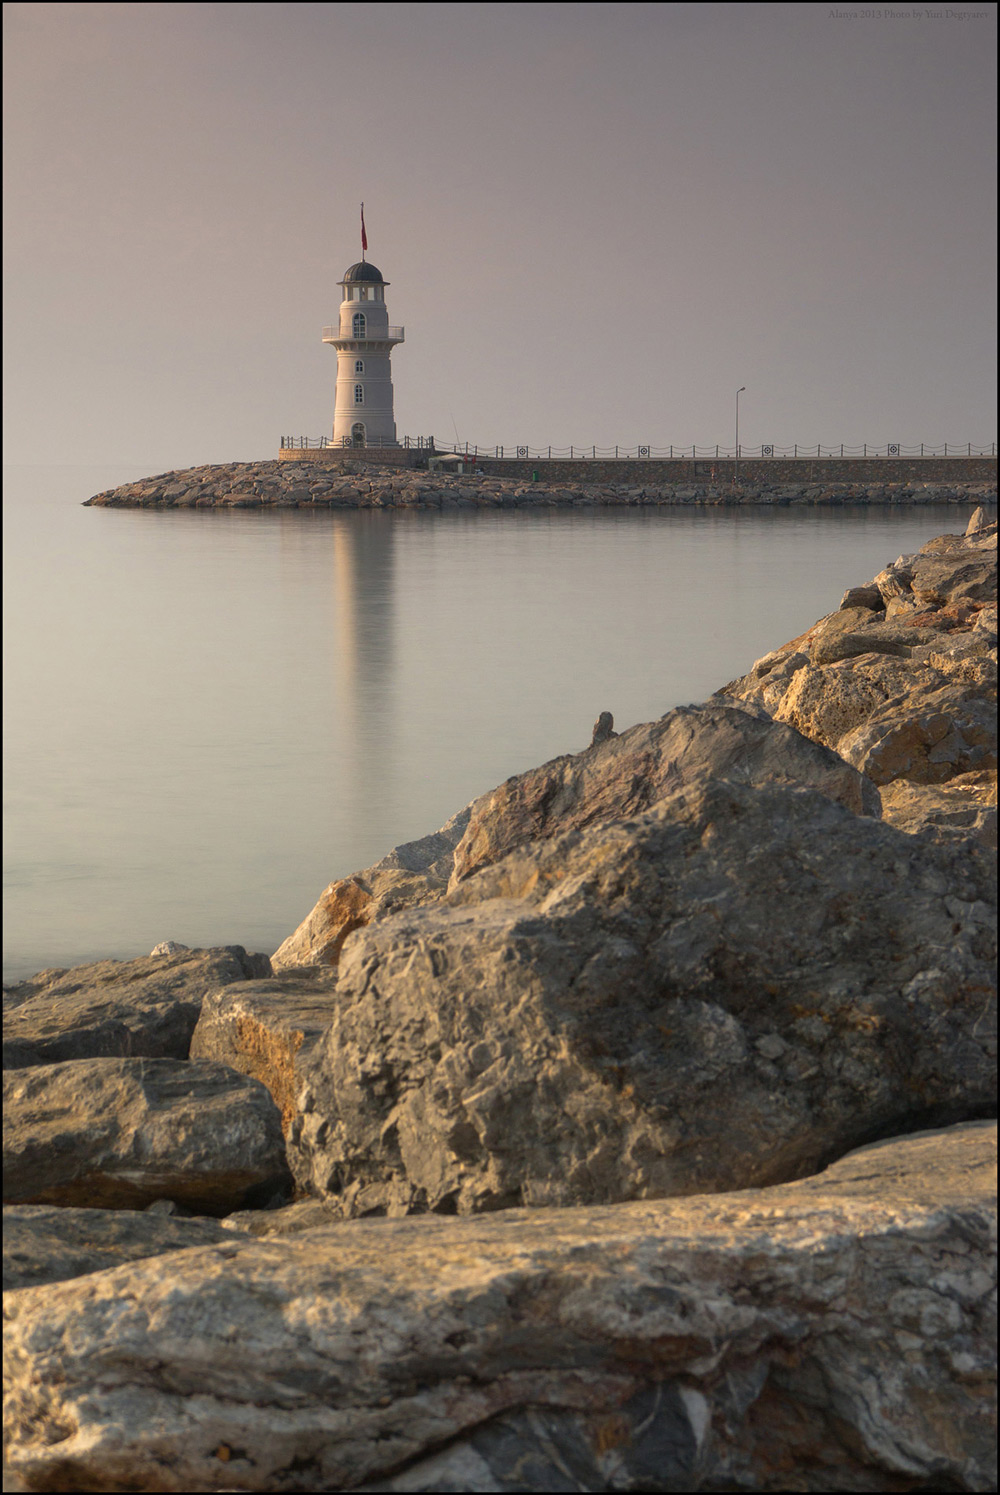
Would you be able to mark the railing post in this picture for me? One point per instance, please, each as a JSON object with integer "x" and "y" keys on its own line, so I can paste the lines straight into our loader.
{"x": 616, "y": 451}
{"x": 946, "y": 448}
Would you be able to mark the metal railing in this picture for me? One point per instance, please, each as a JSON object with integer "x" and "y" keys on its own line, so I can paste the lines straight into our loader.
{"x": 672, "y": 453}
{"x": 384, "y": 335}
{"x": 719, "y": 453}
{"x": 324, "y": 443}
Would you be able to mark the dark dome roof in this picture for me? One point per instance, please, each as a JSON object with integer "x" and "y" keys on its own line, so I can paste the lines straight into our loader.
{"x": 363, "y": 271}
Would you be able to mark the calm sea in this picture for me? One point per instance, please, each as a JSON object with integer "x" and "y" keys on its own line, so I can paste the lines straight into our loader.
{"x": 211, "y": 715}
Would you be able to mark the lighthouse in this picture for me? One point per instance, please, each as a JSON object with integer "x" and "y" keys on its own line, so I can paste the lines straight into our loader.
{"x": 364, "y": 341}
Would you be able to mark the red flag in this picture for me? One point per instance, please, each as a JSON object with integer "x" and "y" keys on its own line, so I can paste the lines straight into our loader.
{"x": 364, "y": 236}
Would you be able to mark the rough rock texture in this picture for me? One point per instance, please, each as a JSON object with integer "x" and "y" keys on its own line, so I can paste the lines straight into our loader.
{"x": 967, "y": 804}
{"x": 130, "y": 1008}
{"x": 625, "y": 775}
{"x": 123, "y": 1133}
{"x": 835, "y": 1334}
{"x": 48, "y": 1243}
{"x": 267, "y": 1028}
{"x": 362, "y": 484}
{"x": 902, "y": 682}
{"x": 416, "y": 872}
{"x": 564, "y": 1029}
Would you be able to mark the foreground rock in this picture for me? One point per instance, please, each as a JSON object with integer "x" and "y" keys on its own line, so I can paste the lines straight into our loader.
{"x": 619, "y": 775}
{"x": 124, "y": 1133}
{"x": 625, "y": 775}
{"x": 46, "y": 1243}
{"x": 128, "y": 1008}
{"x": 902, "y": 683}
{"x": 563, "y": 1029}
{"x": 834, "y": 1334}
{"x": 266, "y": 1029}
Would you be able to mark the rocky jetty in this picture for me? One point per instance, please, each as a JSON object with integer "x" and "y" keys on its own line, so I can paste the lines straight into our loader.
{"x": 629, "y": 1132}
{"x": 317, "y": 485}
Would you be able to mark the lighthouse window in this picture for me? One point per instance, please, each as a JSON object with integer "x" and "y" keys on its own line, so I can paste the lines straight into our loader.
{"x": 359, "y": 366}
{"x": 359, "y": 394}
{"x": 360, "y": 324}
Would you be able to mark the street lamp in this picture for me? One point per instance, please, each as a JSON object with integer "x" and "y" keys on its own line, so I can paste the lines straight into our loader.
{"x": 736, "y": 470}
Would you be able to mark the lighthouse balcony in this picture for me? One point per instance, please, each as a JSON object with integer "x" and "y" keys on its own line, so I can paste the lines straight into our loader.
{"x": 372, "y": 335}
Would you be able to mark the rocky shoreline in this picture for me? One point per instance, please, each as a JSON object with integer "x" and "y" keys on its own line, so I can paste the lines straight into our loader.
{"x": 630, "y": 1132}
{"x": 314, "y": 485}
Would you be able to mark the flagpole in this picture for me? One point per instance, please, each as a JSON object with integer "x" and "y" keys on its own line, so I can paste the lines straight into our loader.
{"x": 364, "y": 236}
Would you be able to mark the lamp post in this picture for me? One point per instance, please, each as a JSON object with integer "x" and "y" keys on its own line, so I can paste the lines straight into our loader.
{"x": 736, "y": 469}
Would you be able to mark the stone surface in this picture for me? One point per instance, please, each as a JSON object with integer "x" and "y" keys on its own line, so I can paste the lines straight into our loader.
{"x": 833, "y": 1334}
{"x": 935, "y": 733}
{"x": 130, "y": 1008}
{"x": 906, "y": 693}
{"x": 624, "y": 776}
{"x": 329, "y": 480}
{"x": 562, "y": 1029}
{"x": 267, "y": 1028}
{"x": 49, "y": 1243}
{"x": 416, "y": 872}
{"x": 123, "y": 1133}
{"x": 966, "y": 806}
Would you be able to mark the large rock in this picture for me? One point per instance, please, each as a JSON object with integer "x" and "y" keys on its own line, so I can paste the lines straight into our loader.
{"x": 416, "y": 872}
{"x": 834, "y": 1334}
{"x": 48, "y": 1243}
{"x": 123, "y": 1133}
{"x": 629, "y": 773}
{"x": 731, "y": 989}
{"x": 618, "y": 775}
{"x": 109, "y": 1008}
{"x": 267, "y": 1028}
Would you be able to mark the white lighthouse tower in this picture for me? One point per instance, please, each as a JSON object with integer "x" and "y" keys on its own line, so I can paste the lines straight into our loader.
{"x": 364, "y": 340}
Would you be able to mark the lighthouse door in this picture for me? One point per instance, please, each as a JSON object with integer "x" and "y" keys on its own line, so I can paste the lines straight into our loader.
{"x": 357, "y": 434}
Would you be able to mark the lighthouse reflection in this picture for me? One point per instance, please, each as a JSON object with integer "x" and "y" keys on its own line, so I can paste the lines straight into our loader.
{"x": 364, "y": 653}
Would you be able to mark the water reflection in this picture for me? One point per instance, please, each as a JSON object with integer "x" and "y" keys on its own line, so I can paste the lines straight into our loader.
{"x": 363, "y": 662}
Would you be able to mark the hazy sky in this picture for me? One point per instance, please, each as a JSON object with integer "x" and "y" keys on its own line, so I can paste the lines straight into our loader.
{"x": 597, "y": 221}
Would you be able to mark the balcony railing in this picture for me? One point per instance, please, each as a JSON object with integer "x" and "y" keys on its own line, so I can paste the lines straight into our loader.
{"x": 374, "y": 335}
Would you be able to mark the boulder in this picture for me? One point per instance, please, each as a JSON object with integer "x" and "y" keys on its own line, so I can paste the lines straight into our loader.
{"x": 123, "y": 1133}
{"x": 47, "y": 1243}
{"x": 267, "y": 1028}
{"x": 561, "y": 1030}
{"x": 832, "y": 1334}
{"x": 410, "y": 875}
{"x": 626, "y": 774}
{"x": 137, "y": 1008}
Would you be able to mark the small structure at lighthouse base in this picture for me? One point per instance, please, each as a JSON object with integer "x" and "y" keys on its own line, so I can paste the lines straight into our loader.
{"x": 364, "y": 341}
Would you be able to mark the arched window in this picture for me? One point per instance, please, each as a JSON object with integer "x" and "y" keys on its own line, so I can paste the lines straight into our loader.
{"x": 359, "y": 365}
{"x": 359, "y": 394}
{"x": 360, "y": 324}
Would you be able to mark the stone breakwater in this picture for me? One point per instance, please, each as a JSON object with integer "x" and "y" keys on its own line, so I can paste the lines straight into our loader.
{"x": 253, "y": 485}
{"x": 631, "y": 1132}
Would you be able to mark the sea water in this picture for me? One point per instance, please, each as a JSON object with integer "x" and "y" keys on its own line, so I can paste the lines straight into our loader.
{"x": 211, "y": 714}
